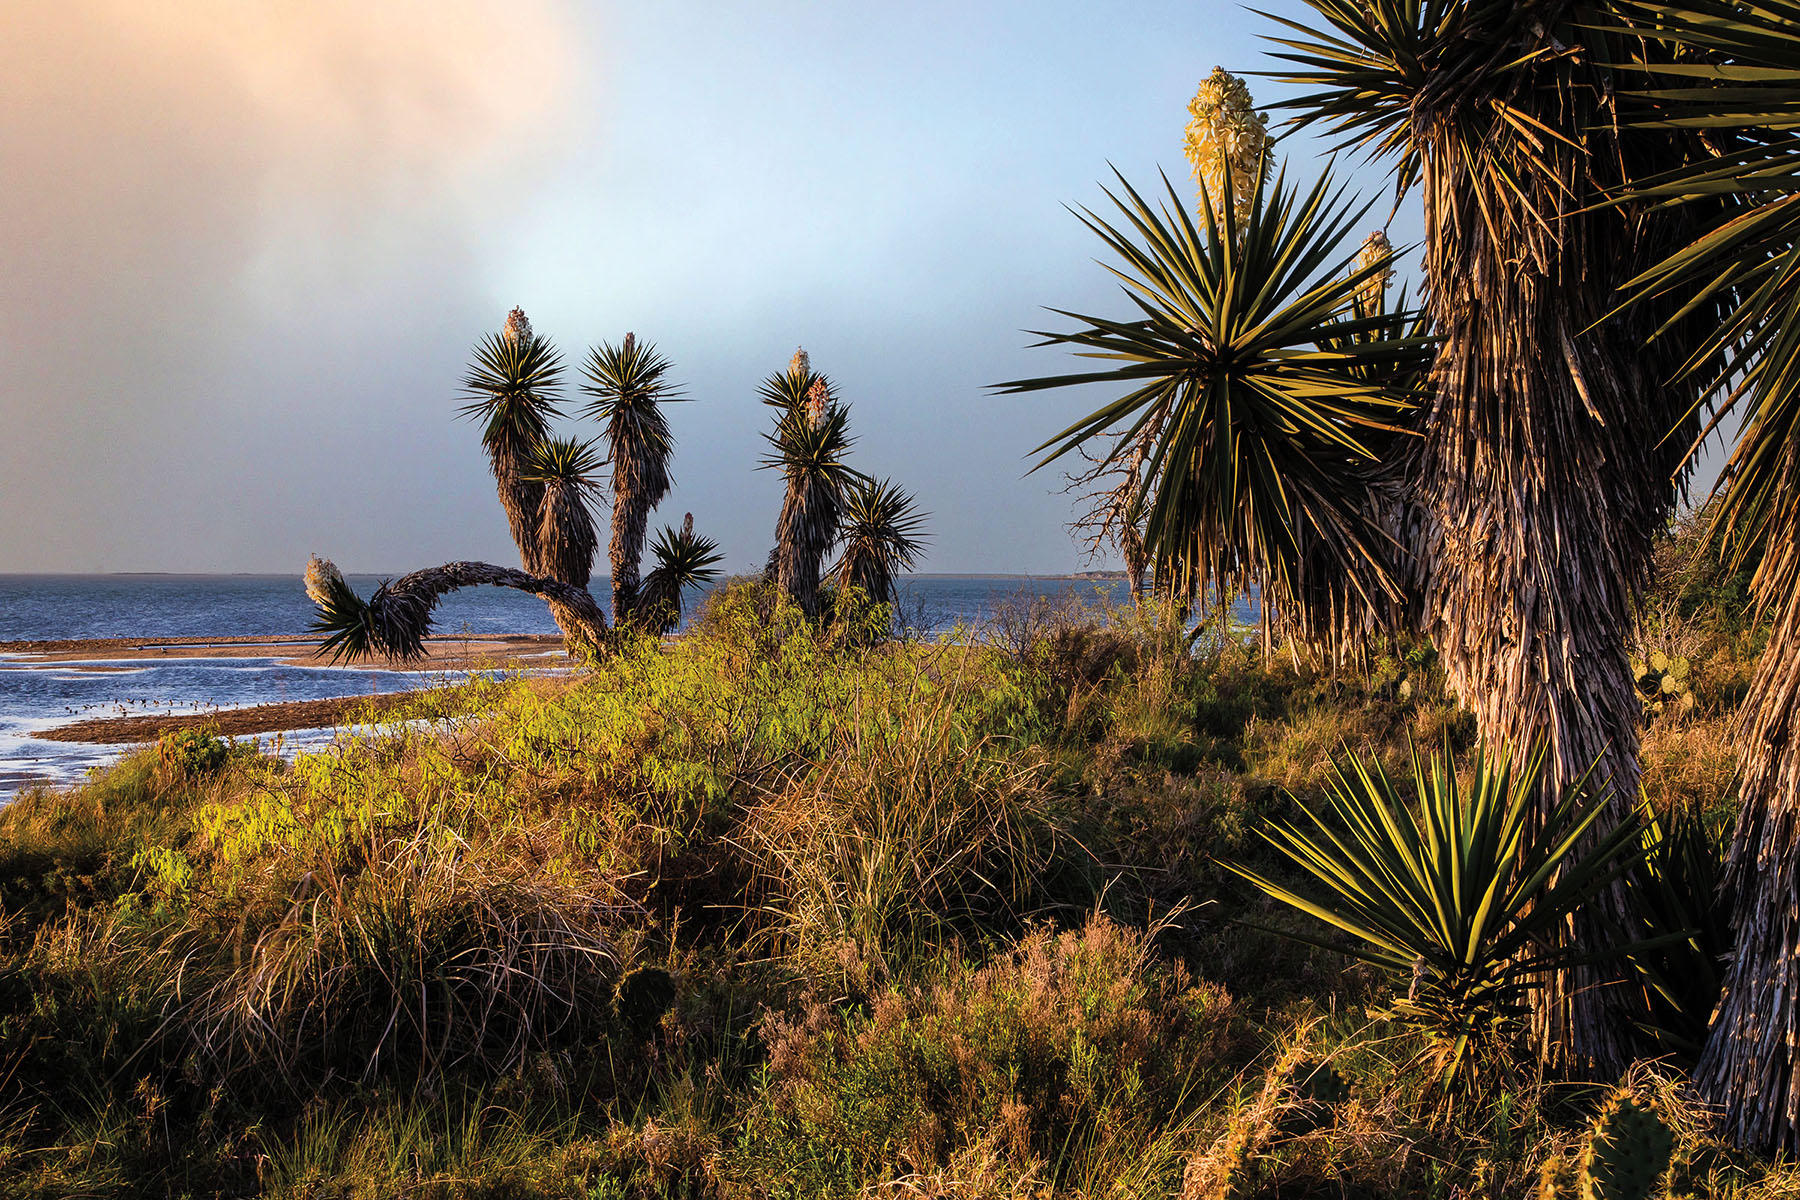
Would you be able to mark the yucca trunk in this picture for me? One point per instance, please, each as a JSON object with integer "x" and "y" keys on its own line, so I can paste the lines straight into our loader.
{"x": 565, "y": 553}
{"x": 400, "y": 611}
{"x": 640, "y": 482}
{"x": 1539, "y": 490}
{"x": 803, "y": 535}
{"x": 1748, "y": 1068}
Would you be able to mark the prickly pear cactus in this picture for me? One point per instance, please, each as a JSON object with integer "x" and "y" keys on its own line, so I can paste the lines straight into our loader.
{"x": 1662, "y": 684}
{"x": 1556, "y": 1179}
{"x": 1626, "y": 1154}
{"x": 1317, "y": 1089}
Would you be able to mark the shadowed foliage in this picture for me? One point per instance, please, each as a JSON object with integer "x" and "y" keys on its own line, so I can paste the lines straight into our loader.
{"x": 1545, "y": 464}
{"x": 1734, "y": 81}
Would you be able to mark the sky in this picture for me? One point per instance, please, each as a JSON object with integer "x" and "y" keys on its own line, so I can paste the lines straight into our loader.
{"x": 245, "y": 250}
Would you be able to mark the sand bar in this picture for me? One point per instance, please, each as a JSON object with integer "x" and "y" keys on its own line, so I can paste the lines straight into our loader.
{"x": 441, "y": 653}
{"x": 454, "y": 653}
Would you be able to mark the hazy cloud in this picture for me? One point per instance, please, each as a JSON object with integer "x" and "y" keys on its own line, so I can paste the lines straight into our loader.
{"x": 231, "y": 234}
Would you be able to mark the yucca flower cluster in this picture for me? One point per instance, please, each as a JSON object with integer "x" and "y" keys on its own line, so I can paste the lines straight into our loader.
{"x": 1227, "y": 138}
{"x": 1371, "y": 295}
{"x": 518, "y": 327}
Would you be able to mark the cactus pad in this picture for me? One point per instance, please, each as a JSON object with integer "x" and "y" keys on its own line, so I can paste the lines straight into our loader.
{"x": 1627, "y": 1152}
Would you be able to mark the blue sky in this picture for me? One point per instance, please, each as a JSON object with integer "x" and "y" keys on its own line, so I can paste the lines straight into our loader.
{"x": 249, "y": 251}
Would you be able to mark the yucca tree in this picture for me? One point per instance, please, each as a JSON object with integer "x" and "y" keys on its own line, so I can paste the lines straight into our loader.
{"x": 547, "y": 486}
{"x": 629, "y": 384}
{"x": 1265, "y": 408}
{"x": 683, "y": 561}
{"x": 513, "y": 388}
{"x": 1553, "y": 438}
{"x": 1734, "y": 80}
{"x": 808, "y": 446}
{"x": 882, "y": 535}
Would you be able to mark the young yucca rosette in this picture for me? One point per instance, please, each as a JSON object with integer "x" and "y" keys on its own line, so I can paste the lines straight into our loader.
{"x": 343, "y": 616}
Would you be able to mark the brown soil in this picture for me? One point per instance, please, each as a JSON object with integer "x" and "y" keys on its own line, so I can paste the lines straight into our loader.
{"x": 444, "y": 653}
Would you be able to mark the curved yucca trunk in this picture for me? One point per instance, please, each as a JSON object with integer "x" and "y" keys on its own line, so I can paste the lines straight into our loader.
{"x": 1538, "y": 489}
{"x": 395, "y": 621}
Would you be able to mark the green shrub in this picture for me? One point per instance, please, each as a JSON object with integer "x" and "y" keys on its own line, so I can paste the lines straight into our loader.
{"x": 190, "y": 753}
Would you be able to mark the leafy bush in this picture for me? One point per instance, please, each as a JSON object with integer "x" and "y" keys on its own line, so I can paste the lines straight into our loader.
{"x": 190, "y": 753}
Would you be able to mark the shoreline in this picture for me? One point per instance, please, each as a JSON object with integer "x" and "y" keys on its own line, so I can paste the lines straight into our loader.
{"x": 443, "y": 652}
{"x": 98, "y": 655}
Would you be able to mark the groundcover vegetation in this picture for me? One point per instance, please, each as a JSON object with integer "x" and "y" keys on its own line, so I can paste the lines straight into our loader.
{"x": 780, "y": 909}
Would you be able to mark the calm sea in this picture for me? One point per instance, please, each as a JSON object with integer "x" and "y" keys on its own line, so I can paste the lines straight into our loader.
{"x": 34, "y": 698}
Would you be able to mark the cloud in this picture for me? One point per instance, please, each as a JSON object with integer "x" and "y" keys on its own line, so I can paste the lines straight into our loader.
{"x": 227, "y": 231}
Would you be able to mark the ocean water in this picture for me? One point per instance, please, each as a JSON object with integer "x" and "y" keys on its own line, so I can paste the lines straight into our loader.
{"x": 35, "y": 697}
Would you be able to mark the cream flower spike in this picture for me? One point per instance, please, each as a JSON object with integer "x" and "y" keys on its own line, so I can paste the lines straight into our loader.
{"x": 518, "y": 327}
{"x": 1227, "y": 136}
{"x": 322, "y": 579}
{"x": 1371, "y": 294}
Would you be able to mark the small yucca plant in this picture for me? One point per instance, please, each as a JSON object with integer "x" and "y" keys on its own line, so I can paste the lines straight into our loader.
{"x": 683, "y": 561}
{"x": 569, "y": 473}
{"x": 1460, "y": 892}
{"x": 882, "y": 535}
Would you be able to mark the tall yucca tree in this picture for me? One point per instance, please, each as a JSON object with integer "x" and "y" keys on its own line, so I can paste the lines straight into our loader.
{"x": 883, "y": 534}
{"x": 629, "y": 384}
{"x": 808, "y": 446}
{"x": 1735, "y": 79}
{"x": 1264, "y": 407}
{"x": 513, "y": 388}
{"x": 1542, "y": 471}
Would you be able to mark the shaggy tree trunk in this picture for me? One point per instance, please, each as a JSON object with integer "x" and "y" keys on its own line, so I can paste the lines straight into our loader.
{"x": 803, "y": 535}
{"x": 1539, "y": 491}
{"x": 640, "y": 481}
{"x": 1747, "y": 1068}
